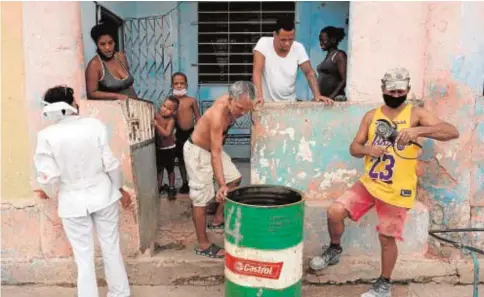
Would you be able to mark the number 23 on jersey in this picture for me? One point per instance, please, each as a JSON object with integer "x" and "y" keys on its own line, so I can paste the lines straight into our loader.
{"x": 382, "y": 168}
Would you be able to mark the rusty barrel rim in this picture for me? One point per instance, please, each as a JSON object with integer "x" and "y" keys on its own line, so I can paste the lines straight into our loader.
{"x": 300, "y": 193}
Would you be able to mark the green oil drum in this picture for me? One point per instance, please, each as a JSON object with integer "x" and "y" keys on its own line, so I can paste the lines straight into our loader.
{"x": 264, "y": 230}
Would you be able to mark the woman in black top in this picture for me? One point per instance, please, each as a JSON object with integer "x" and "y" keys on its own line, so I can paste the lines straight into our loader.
{"x": 332, "y": 70}
{"x": 107, "y": 74}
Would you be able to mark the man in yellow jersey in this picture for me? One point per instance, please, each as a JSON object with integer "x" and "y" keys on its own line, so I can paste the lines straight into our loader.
{"x": 390, "y": 181}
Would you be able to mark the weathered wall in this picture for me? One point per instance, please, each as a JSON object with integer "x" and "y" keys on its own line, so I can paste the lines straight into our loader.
{"x": 445, "y": 61}
{"x": 454, "y": 77}
{"x": 16, "y": 144}
{"x": 392, "y": 37}
{"x": 306, "y": 146}
{"x": 50, "y": 59}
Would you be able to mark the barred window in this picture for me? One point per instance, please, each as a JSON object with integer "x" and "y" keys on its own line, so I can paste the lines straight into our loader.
{"x": 227, "y": 34}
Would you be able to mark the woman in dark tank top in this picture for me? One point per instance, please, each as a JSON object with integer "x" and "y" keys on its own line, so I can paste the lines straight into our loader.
{"x": 332, "y": 70}
{"x": 107, "y": 74}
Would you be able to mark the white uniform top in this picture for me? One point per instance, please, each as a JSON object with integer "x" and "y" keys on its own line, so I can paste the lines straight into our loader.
{"x": 280, "y": 73}
{"x": 73, "y": 161}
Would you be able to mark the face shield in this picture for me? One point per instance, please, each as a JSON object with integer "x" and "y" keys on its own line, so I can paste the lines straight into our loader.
{"x": 57, "y": 111}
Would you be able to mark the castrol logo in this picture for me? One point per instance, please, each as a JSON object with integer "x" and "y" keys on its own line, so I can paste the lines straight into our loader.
{"x": 253, "y": 268}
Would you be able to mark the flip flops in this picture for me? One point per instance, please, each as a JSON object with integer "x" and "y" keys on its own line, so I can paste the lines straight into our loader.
{"x": 210, "y": 252}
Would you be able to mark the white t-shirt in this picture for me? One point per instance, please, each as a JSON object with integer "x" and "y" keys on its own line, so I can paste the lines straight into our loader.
{"x": 279, "y": 73}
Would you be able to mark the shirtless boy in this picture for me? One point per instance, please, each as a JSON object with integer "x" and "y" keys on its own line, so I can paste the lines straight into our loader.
{"x": 165, "y": 143}
{"x": 204, "y": 158}
{"x": 184, "y": 124}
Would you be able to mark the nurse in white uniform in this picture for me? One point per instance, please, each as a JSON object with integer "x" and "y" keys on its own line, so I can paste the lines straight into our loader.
{"x": 75, "y": 164}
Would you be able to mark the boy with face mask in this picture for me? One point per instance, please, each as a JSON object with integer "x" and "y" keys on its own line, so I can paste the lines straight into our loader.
{"x": 185, "y": 123}
{"x": 389, "y": 182}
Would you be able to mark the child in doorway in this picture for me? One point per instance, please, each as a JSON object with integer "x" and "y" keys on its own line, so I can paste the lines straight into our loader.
{"x": 188, "y": 114}
{"x": 164, "y": 123}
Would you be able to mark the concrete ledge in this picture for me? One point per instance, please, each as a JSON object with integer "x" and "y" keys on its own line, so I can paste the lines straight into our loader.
{"x": 362, "y": 238}
{"x": 183, "y": 267}
{"x": 176, "y": 229}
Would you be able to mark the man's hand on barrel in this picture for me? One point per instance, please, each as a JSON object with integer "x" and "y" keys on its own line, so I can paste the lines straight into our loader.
{"x": 222, "y": 193}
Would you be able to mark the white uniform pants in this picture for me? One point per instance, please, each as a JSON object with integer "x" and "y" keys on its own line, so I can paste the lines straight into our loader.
{"x": 79, "y": 232}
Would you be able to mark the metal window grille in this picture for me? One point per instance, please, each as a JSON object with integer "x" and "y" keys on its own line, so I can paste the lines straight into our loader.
{"x": 227, "y": 33}
{"x": 149, "y": 49}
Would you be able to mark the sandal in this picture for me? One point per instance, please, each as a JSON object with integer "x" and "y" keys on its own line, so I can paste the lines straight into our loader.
{"x": 211, "y": 226}
{"x": 210, "y": 252}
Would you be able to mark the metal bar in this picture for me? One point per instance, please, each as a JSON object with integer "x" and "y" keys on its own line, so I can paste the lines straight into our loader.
{"x": 243, "y": 12}
{"x": 241, "y": 33}
{"x": 220, "y": 64}
{"x": 224, "y": 54}
{"x": 223, "y": 43}
{"x": 241, "y": 22}
{"x": 476, "y": 274}
{"x": 223, "y": 74}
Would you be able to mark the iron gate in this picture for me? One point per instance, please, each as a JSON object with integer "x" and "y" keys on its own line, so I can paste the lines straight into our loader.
{"x": 149, "y": 49}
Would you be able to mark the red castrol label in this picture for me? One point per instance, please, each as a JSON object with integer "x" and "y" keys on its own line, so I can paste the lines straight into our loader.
{"x": 253, "y": 268}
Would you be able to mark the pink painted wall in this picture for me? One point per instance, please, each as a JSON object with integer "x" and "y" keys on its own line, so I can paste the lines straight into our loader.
{"x": 53, "y": 55}
{"x": 385, "y": 35}
{"x": 51, "y": 59}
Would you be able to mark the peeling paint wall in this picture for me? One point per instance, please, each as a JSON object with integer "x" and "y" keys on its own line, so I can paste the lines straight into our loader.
{"x": 303, "y": 145}
{"x": 306, "y": 146}
{"x": 454, "y": 76}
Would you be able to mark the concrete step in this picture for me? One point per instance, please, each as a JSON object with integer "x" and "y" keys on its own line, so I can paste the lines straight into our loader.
{"x": 177, "y": 230}
{"x": 183, "y": 267}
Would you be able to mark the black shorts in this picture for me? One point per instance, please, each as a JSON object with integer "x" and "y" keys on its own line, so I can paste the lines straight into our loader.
{"x": 165, "y": 159}
{"x": 181, "y": 137}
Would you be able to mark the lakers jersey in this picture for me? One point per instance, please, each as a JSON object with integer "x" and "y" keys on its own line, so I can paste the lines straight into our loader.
{"x": 391, "y": 178}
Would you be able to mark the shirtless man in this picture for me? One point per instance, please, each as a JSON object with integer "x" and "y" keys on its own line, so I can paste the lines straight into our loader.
{"x": 187, "y": 111}
{"x": 204, "y": 158}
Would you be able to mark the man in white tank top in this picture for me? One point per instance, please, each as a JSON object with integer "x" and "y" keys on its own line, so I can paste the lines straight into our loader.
{"x": 276, "y": 62}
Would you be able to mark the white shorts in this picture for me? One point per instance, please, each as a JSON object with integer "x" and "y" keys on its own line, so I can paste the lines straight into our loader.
{"x": 198, "y": 163}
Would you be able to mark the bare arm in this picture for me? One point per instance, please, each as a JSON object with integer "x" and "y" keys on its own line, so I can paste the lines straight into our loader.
{"x": 430, "y": 126}
{"x": 257, "y": 68}
{"x": 216, "y": 139}
{"x": 92, "y": 78}
{"x": 311, "y": 78}
{"x": 168, "y": 130}
{"x": 341, "y": 61}
{"x": 196, "y": 111}
{"x": 358, "y": 148}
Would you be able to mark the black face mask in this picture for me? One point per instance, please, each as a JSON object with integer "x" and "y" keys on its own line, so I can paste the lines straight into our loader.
{"x": 394, "y": 102}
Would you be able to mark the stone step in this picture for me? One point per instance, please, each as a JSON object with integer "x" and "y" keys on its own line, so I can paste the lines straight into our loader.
{"x": 176, "y": 229}
{"x": 183, "y": 267}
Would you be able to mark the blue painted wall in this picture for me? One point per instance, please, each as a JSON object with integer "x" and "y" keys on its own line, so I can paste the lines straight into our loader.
{"x": 306, "y": 146}
{"x": 322, "y": 14}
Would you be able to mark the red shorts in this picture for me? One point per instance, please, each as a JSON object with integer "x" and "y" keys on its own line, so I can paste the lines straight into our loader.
{"x": 358, "y": 201}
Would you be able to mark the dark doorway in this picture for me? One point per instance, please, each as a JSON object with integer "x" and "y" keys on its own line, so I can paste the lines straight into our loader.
{"x": 106, "y": 16}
